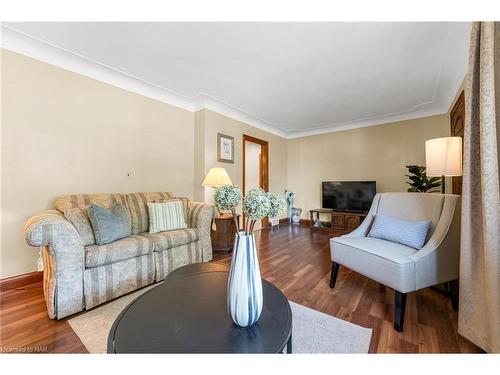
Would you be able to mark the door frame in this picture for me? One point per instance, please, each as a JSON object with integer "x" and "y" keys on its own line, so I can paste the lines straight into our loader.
{"x": 457, "y": 114}
{"x": 263, "y": 172}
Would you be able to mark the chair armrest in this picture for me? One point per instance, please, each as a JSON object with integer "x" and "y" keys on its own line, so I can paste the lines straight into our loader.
{"x": 66, "y": 254}
{"x": 439, "y": 260}
{"x": 200, "y": 217}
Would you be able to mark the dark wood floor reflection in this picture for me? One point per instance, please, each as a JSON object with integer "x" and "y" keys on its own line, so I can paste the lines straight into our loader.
{"x": 297, "y": 261}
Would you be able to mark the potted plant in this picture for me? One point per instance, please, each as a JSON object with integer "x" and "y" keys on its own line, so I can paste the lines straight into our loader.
{"x": 244, "y": 289}
{"x": 419, "y": 182}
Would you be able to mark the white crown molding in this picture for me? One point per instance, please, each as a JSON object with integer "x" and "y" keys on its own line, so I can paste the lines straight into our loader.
{"x": 28, "y": 45}
{"x": 25, "y": 44}
{"x": 205, "y": 101}
{"x": 411, "y": 115}
{"x": 19, "y": 42}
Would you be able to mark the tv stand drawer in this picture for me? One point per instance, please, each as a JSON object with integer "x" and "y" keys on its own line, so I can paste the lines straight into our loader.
{"x": 338, "y": 221}
{"x": 352, "y": 221}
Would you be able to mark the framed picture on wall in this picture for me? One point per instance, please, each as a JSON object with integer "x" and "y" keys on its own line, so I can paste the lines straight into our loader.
{"x": 225, "y": 148}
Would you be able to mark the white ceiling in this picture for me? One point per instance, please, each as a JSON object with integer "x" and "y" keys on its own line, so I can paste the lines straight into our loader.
{"x": 292, "y": 78}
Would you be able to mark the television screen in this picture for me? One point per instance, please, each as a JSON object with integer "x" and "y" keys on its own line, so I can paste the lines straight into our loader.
{"x": 352, "y": 196}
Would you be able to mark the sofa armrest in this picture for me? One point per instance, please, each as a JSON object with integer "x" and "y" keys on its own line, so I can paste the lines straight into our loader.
{"x": 64, "y": 275}
{"x": 439, "y": 260}
{"x": 200, "y": 217}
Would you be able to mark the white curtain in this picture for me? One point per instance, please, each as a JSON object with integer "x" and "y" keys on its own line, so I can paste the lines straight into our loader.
{"x": 479, "y": 312}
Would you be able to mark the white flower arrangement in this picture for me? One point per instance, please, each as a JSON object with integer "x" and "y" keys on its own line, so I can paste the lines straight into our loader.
{"x": 227, "y": 197}
{"x": 278, "y": 204}
{"x": 256, "y": 205}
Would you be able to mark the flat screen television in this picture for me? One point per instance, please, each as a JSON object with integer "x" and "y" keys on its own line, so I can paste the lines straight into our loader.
{"x": 348, "y": 196}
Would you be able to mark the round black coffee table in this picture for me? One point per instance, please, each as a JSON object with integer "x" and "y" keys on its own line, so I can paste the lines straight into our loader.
{"x": 188, "y": 314}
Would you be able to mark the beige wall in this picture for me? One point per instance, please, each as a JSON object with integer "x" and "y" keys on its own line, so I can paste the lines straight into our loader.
{"x": 64, "y": 133}
{"x": 208, "y": 124}
{"x": 378, "y": 153}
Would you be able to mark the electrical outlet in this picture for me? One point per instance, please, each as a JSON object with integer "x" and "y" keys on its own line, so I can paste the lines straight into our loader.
{"x": 39, "y": 263}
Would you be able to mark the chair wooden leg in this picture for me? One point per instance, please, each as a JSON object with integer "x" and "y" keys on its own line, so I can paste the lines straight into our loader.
{"x": 454, "y": 294}
{"x": 399, "y": 310}
{"x": 333, "y": 276}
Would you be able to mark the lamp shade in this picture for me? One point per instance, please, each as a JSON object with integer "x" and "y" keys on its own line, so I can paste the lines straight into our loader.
{"x": 216, "y": 177}
{"x": 443, "y": 156}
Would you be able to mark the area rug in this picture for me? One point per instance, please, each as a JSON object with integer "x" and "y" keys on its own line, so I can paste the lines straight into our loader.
{"x": 312, "y": 332}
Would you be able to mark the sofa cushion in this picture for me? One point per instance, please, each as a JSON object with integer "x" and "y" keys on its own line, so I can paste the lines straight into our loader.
{"x": 166, "y": 216}
{"x": 173, "y": 238}
{"x": 65, "y": 202}
{"x": 410, "y": 233}
{"x": 79, "y": 217}
{"x": 185, "y": 205}
{"x": 388, "y": 250}
{"x": 386, "y": 262}
{"x": 101, "y": 284}
{"x": 138, "y": 207}
{"x": 126, "y": 248}
{"x": 109, "y": 224}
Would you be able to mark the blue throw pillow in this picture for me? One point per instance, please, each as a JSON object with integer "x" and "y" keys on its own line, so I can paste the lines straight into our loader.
{"x": 406, "y": 232}
{"x": 109, "y": 225}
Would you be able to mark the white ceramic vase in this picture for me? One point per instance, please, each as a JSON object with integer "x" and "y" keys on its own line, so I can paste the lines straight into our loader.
{"x": 244, "y": 287}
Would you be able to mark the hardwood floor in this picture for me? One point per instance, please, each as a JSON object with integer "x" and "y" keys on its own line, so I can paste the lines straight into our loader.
{"x": 297, "y": 261}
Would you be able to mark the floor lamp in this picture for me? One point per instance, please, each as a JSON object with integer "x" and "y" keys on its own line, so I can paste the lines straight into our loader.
{"x": 443, "y": 157}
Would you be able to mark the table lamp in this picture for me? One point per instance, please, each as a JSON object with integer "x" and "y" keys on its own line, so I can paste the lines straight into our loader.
{"x": 443, "y": 157}
{"x": 216, "y": 177}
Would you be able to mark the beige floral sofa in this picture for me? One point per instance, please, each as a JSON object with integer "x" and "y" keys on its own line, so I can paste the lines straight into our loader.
{"x": 79, "y": 274}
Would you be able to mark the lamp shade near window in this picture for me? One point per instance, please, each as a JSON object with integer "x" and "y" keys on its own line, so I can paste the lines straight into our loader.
{"x": 443, "y": 156}
{"x": 216, "y": 177}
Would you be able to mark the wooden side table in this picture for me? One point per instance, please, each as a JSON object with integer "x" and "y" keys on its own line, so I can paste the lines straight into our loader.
{"x": 223, "y": 232}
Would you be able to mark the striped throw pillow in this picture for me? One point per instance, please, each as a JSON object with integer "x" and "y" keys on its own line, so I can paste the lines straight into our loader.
{"x": 406, "y": 232}
{"x": 166, "y": 216}
{"x": 185, "y": 204}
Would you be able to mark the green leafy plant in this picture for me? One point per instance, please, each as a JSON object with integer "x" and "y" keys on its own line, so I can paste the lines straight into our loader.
{"x": 419, "y": 182}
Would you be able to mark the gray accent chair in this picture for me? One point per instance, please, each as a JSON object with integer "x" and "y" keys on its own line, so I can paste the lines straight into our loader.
{"x": 400, "y": 267}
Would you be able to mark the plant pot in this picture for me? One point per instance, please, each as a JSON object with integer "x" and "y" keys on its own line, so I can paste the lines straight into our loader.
{"x": 244, "y": 288}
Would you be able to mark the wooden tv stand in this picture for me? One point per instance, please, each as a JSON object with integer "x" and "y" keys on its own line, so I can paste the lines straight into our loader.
{"x": 340, "y": 222}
